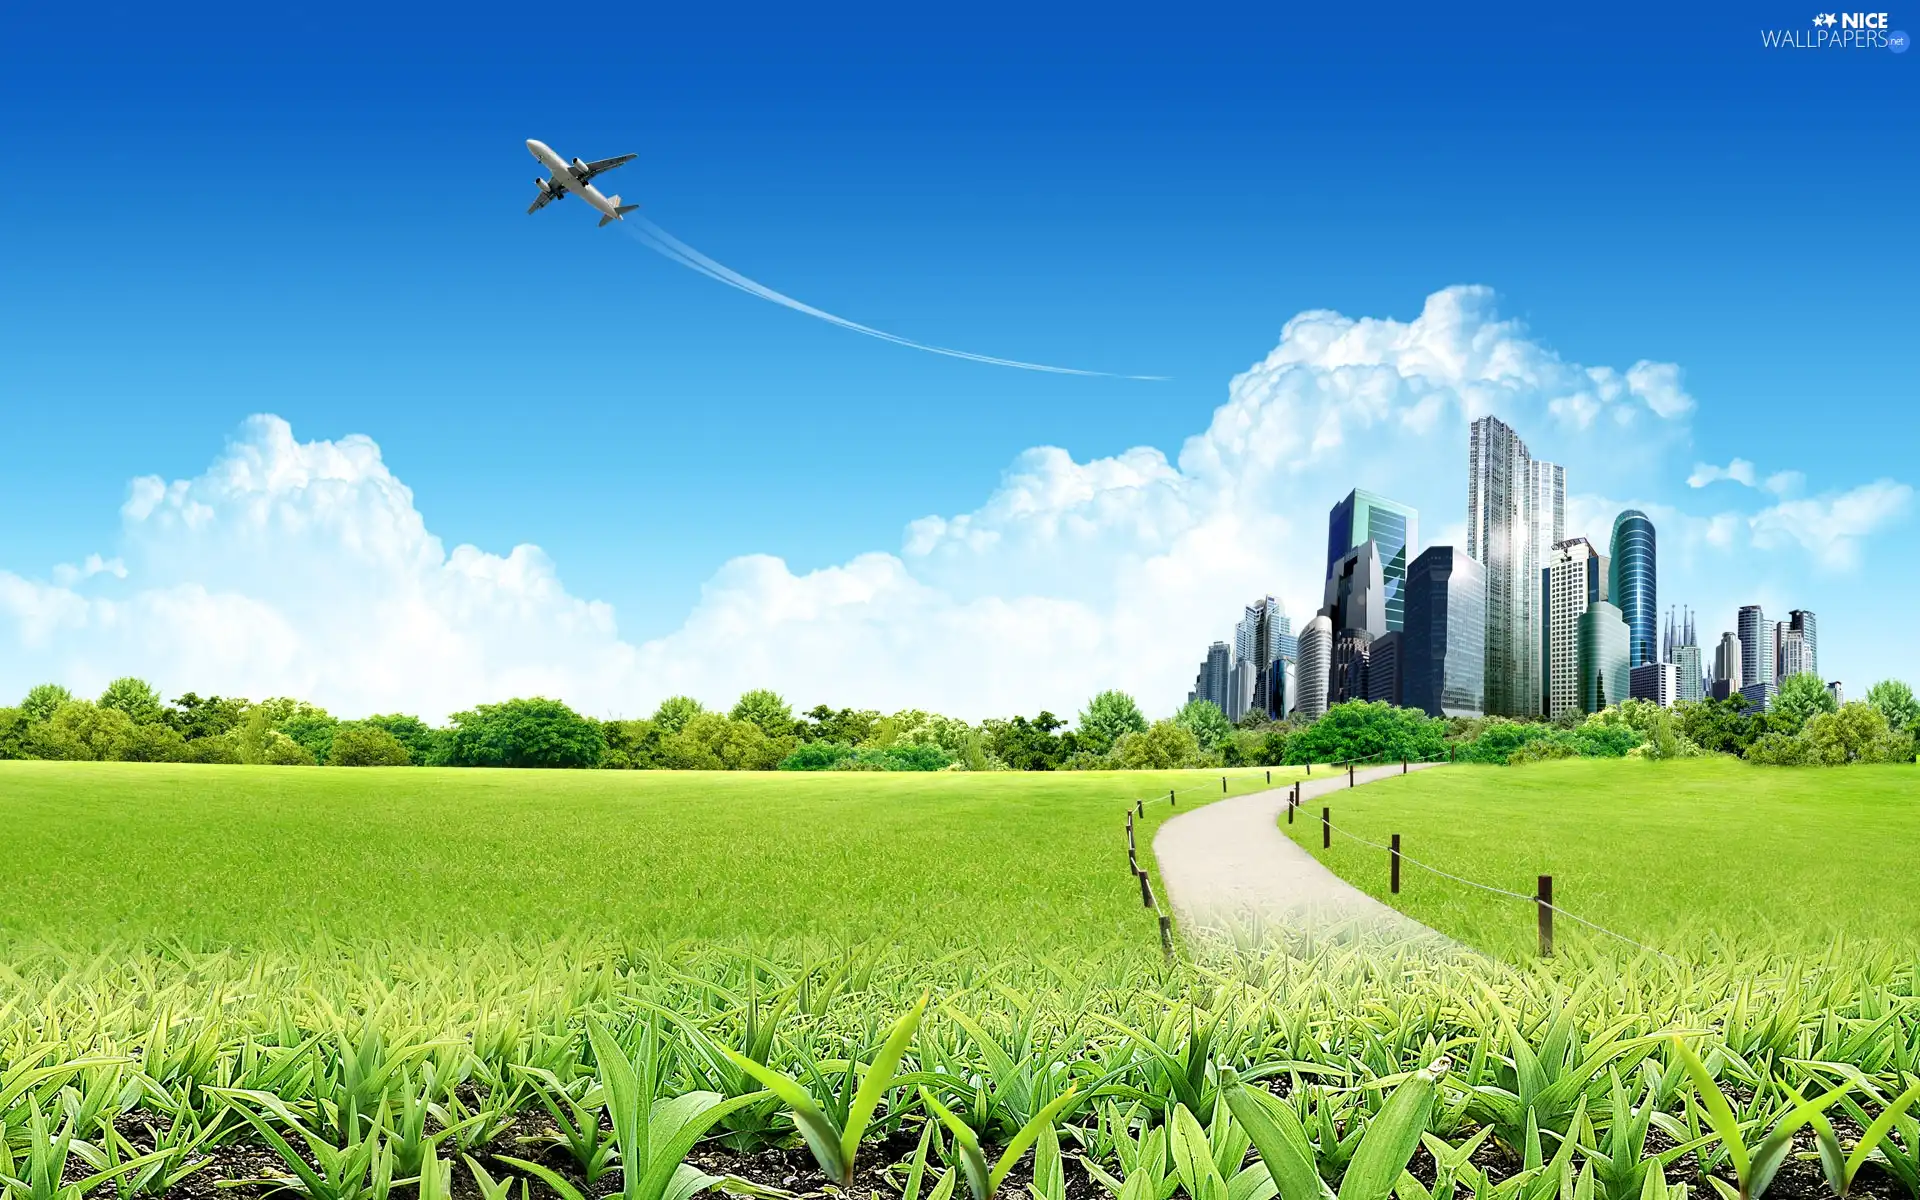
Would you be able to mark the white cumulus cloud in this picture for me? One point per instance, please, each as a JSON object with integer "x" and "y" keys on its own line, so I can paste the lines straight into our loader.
{"x": 304, "y": 568}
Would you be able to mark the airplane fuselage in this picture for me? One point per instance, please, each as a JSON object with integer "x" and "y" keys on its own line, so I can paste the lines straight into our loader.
{"x": 565, "y": 176}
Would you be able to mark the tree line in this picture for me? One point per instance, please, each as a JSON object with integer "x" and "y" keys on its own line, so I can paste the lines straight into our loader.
{"x": 129, "y": 722}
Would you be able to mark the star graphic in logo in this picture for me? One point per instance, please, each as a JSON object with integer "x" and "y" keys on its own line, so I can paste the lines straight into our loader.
{"x": 1827, "y": 20}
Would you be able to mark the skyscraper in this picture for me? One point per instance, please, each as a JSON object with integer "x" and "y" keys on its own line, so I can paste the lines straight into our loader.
{"x": 1801, "y": 622}
{"x": 1364, "y": 517}
{"x": 1729, "y": 662}
{"x": 1316, "y": 661}
{"x": 1385, "y": 664}
{"x": 1656, "y": 681}
{"x": 1444, "y": 654}
{"x": 1605, "y": 679}
{"x": 1263, "y": 637}
{"x": 1355, "y": 598}
{"x": 1682, "y": 648}
{"x": 1796, "y": 657}
{"x": 1632, "y": 584}
{"x": 1516, "y": 508}
{"x": 1575, "y": 581}
{"x": 1756, "y": 647}
{"x": 1211, "y": 683}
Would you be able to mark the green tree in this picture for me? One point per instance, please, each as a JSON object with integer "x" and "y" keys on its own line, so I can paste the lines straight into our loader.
{"x": 530, "y": 732}
{"x": 41, "y": 702}
{"x": 631, "y": 745}
{"x": 1359, "y": 729}
{"x": 134, "y": 697}
{"x": 358, "y": 744}
{"x": 1029, "y": 745}
{"x": 1106, "y": 717}
{"x": 715, "y": 742}
{"x": 1208, "y": 724}
{"x": 1853, "y": 733}
{"x": 674, "y": 713}
{"x": 848, "y": 726}
{"x": 13, "y": 734}
{"x": 199, "y": 717}
{"x": 426, "y": 746}
{"x": 154, "y": 741}
{"x": 279, "y": 750}
{"x": 1895, "y": 701}
{"x": 81, "y": 731}
{"x": 1726, "y": 726}
{"x": 313, "y": 729}
{"x": 1799, "y": 698}
{"x": 1166, "y": 745}
{"x": 764, "y": 707}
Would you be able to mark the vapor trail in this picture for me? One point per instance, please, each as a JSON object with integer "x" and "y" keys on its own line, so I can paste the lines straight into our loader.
{"x": 660, "y": 241}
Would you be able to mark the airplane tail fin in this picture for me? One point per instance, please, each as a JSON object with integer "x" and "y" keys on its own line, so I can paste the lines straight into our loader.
{"x": 620, "y": 210}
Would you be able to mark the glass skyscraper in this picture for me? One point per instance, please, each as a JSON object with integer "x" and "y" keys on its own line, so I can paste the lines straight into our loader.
{"x": 1516, "y": 511}
{"x": 1632, "y": 585}
{"x": 1444, "y": 651}
{"x": 1605, "y": 678}
{"x": 1364, "y": 517}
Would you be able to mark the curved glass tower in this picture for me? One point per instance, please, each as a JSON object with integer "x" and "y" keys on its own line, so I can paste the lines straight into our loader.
{"x": 1631, "y": 585}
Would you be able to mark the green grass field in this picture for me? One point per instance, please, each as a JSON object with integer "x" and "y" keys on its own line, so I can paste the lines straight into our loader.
{"x": 104, "y": 854}
{"x": 1675, "y": 855}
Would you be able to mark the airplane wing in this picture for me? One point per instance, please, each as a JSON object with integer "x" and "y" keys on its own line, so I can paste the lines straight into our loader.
{"x": 545, "y": 198}
{"x": 606, "y": 164}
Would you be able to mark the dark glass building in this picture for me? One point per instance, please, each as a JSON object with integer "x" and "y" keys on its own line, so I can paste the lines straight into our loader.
{"x": 1632, "y": 587}
{"x": 1443, "y": 653}
{"x": 1364, "y": 517}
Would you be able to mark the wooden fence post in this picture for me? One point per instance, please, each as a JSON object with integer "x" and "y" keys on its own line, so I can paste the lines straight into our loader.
{"x": 1269, "y": 778}
{"x": 1326, "y": 829}
{"x": 1223, "y": 785}
{"x": 1166, "y": 935}
{"x": 1171, "y": 802}
{"x": 1403, "y": 766}
{"x": 1544, "y": 898}
{"x": 1146, "y": 891}
{"x": 1290, "y": 809}
{"x": 1394, "y": 883}
{"x": 1140, "y": 807}
{"x": 1349, "y": 774}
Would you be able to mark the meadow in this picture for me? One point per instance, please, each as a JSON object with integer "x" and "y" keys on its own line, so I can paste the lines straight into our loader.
{"x": 414, "y": 984}
{"x": 1688, "y": 856}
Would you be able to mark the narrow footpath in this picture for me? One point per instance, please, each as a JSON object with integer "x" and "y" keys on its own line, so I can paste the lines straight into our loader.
{"x": 1229, "y": 871}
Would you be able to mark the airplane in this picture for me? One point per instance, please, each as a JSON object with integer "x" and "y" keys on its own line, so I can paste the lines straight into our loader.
{"x": 575, "y": 177}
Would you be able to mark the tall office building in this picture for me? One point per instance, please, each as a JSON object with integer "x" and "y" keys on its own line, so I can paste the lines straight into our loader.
{"x": 1681, "y": 647}
{"x": 1632, "y": 583}
{"x": 1516, "y": 509}
{"x": 1801, "y": 622}
{"x": 1444, "y": 649}
{"x": 1312, "y": 669}
{"x": 1729, "y": 663}
{"x": 1837, "y": 692}
{"x": 1364, "y": 517}
{"x": 1347, "y": 673}
{"x": 1605, "y": 678}
{"x": 1385, "y": 666}
{"x": 1574, "y": 581}
{"x": 1655, "y": 681}
{"x": 1756, "y": 647}
{"x": 1796, "y": 657}
{"x": 1240, "y": 689}
{"x": 1263, "y": 637}
{"x": 1211, "y": 683}
{"x": 1355, "y": 597}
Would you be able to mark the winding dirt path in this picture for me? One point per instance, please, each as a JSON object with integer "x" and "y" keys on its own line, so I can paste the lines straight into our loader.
{"x": 1230, "y": 871}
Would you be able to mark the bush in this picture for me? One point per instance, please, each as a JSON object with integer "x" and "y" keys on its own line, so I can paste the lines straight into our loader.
{"x": 817, "y": 756}
{"x": 153, "y": 742}
{"x": 534, "y": 732}
{"x": 1359, "y": 729}
{"x": 1499, "y": 740}
{"x": 426, "y": 746}
{"x": 81, "y": 731}
{"x": 1778, "y": 750}
{"x": 1166, "y": 745}
{"x": 223, "y": 749}
{"x": 279, "y": 750}
{"x": 358, "y": 745}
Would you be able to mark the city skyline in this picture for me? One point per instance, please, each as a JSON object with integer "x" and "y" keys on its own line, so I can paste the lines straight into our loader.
{"x": 1595, "y": 618}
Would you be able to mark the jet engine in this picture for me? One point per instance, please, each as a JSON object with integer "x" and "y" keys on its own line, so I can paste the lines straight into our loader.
{"x": 541, "y": 184}
{"x": 580, "y": 166}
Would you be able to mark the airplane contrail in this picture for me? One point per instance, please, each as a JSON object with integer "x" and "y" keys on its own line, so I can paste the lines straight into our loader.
{"x": 660, "y": 241}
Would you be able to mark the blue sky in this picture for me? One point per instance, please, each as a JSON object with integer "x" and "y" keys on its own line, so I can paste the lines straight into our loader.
{"x": 319, "y": 214}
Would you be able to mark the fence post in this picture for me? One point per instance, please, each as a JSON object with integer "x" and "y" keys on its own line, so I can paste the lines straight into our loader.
{"x": 1171, "y": 802}
{"x": 1394, "y": 882}
{"x": 1290, "y": 809}
{"x": 1146, "y": 891}
{"x": 1269, "y": 778}
{"x": 1403, "y": 766}
{"x": 1544, "y": 898}
{"x": 1223, "y": 785}
{"x": 1166, "y": 935}
{"x": 1326, "y": 829}
{"x": 1349, "y": 774}
{"x": 1140, "y": 808}
{"x": 1130, "y": 843}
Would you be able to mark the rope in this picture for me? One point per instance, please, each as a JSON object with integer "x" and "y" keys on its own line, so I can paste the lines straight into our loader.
{"x": 1500, "y": 891}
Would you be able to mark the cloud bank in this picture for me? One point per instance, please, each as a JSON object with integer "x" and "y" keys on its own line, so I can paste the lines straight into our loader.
{"x": 304, "y": 568}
